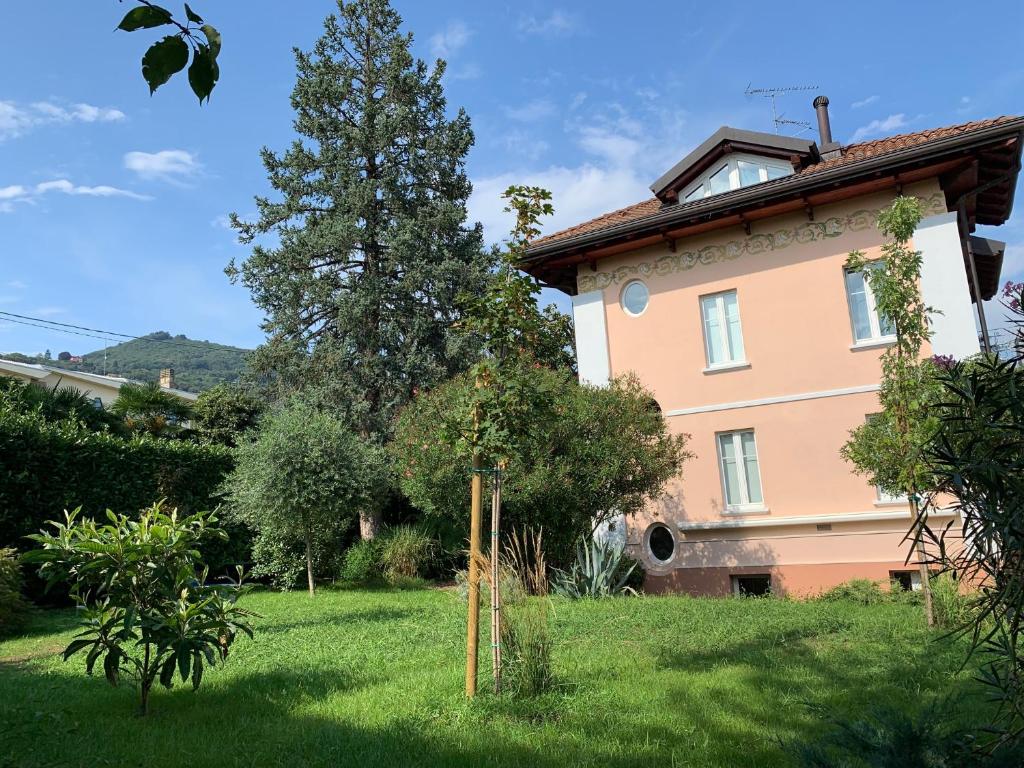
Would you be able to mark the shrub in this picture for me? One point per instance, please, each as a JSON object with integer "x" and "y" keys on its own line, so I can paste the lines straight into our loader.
{"x": 597, "y": 572}
{"x": 49, "y": 466}
{"x": 406, "y": 553}
{"x": 13, "y": 607}
{"x": 951, "y": 608}
{"x": 144, "y": 611}
{"x": 362, "y": 562}
{"x": 526, "y": 647}
{"x": 863, "y": 591}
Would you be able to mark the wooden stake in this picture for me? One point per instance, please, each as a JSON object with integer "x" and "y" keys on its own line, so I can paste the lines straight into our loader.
{"x": 926, "y": 584}
{"x": 473, "y": 621}
{"x": 495, "y": 581}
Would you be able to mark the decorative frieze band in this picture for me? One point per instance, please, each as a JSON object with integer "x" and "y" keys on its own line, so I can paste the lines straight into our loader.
{"x": 751, "y": 245}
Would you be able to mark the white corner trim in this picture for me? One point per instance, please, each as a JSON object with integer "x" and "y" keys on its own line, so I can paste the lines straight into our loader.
{"x": 774, "y": 400}
{"x": 591, "y": 338}
{"x": 843, "y": 517}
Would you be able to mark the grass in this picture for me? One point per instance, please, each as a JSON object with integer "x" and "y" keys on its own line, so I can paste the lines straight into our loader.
{"x": 375, "y": 678}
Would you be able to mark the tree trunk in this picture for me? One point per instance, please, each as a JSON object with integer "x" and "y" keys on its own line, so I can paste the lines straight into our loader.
{"x": 473, "y": 619}
{"x": 309, "y": 564}
{"x": 370, "y": 523}
{"x": 147, "y": 683}
{"x": 495, "y": 580}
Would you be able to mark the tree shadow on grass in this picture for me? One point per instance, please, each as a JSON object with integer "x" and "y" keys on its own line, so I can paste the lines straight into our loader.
{"x": 797, "y": 682}
{"x": 360, "y": 615}
{"x": 268, "y": 719}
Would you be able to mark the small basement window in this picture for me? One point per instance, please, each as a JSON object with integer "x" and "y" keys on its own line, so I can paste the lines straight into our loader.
{"x": 752, "y": 585}
{"x": 661, "y": 543}
{"x": 908, "y": 581}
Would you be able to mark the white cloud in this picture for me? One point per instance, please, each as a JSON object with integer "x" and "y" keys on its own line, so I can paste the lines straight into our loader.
{"x": 879, "y": 127}
{"x": 556, "y": 24}
{"x": 166, "y": 164}
{"x": 530, "y": 112}
{"x": 18, "y": 193}
{"x": 864, "y": 102}
{"x": 17, "y": 285}
{"x": 450, "y": 40}
{"x": 16, "y": 120}
{"x": 524, "y": 145}
{"x": 47, "y": 311}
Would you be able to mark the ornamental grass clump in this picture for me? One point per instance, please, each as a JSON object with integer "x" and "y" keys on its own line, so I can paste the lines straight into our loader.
{"x": 147, "y": 610}
{"x": 406, "y": 553}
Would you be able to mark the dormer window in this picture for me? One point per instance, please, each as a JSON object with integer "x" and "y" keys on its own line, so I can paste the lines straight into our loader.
{"x": 735, "y": 172}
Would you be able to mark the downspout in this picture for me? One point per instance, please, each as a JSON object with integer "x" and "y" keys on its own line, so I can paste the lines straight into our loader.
{"x": 965, "y": 243}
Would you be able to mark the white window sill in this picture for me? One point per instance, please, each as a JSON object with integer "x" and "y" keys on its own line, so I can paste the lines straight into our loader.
{"x": 739, "y": 365}
{"x": 886, "y": 341}
{"x": 753, "y": 509}
{"x": 893, "y": 503}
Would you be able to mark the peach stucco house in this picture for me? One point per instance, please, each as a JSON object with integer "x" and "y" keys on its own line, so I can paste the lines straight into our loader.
{"x": 726, "y": 294}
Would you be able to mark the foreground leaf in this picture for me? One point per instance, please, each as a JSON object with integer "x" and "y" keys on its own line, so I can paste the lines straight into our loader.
{"x": 163, "y": 59}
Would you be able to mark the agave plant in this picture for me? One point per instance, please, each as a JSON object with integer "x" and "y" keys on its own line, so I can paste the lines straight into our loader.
{"x": 596, "y": 572}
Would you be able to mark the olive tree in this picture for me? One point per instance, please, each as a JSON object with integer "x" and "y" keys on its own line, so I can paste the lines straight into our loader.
{"x": 300, "y": 483}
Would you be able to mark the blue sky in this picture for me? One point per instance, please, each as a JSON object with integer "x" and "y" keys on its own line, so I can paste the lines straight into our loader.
{"x": 112, "y": 203}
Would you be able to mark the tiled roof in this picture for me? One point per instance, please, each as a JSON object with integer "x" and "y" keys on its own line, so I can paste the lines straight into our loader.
{"x": 850, "y": 154}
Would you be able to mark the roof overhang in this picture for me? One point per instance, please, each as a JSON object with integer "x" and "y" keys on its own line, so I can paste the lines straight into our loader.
{"x": 993, "y": 152}
{"x": 725, "y": 141}
{"x": 988, "y": 261}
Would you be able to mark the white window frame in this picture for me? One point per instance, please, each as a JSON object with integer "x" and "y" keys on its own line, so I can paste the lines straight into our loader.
{"x": 874, "y": 319}
{"x": 733, "y": 161}
{"x": 733, "y": 361}
{"x": 737, "y": 445}
{"x": 622, "y": 297}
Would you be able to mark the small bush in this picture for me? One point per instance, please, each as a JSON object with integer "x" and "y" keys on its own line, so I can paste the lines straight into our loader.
{"x": 362, "y": 563}
{"x": 406, "y": 552}
{"x": 13, "y": 607}
{"x": 952, "y": 610}
{"x": 526, "y": 647}
{"x": 863, "y": 591}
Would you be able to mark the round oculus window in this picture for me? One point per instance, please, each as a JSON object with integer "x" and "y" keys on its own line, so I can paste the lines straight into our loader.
{"x": 661, "y": 543}
{"x": 635, "y": 297}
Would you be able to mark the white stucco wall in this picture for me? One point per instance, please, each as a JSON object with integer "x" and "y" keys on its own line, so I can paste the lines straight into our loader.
{"x": 944, "y": 286}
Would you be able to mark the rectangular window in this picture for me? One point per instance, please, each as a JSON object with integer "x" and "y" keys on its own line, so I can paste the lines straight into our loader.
{"x": 695, "y": 194}
{"x": 754, "y": 585}
{"x": 777, "y": 172}
{"x": 750, "y": 173}
{"x": 741, "y": 476}
{"x": 723, "y": 334}
{"x": 868, "y": 323}
{"x": 719, "y": 180}
{"x": 881, "y": 494}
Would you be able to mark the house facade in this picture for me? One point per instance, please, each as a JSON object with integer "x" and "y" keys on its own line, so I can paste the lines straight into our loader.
{"x": 103, "y": 390}
{"x": 726, "y": 293}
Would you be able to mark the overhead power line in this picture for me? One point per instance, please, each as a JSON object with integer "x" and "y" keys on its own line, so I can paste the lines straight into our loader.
{"x": 110, "y": 336}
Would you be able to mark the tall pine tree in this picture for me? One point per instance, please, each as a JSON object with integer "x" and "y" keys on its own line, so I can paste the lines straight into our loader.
{"x": 357, "y": 266}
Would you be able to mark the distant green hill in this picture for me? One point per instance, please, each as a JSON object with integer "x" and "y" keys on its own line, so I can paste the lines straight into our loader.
{"x": 197, "y": 365}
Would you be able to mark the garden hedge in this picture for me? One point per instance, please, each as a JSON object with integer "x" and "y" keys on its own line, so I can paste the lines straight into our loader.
{"x": 47, "y": 467}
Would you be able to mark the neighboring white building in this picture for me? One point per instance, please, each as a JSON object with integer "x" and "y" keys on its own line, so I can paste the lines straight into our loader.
{"x": 105, "y": 389}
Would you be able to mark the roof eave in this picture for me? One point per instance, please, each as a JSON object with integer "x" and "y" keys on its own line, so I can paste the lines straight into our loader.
{"x": 721, "y": 204}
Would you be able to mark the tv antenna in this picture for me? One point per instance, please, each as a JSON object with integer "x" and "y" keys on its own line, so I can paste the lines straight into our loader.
{"x": 778, "y": 119}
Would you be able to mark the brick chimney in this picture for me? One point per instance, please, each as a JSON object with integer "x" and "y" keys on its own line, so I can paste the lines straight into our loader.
{"x": 167, "y": 378}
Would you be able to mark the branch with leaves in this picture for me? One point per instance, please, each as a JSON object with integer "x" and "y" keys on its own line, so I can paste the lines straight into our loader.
{"x": 169, "y": 55}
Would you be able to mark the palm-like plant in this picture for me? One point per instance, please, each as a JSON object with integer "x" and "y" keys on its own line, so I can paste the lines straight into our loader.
{"x": 147, "y": 408}
{"x": 59, "y": 403}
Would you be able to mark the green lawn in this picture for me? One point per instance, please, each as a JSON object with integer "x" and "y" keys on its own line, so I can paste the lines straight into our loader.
{"x": 375, "y": 678}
